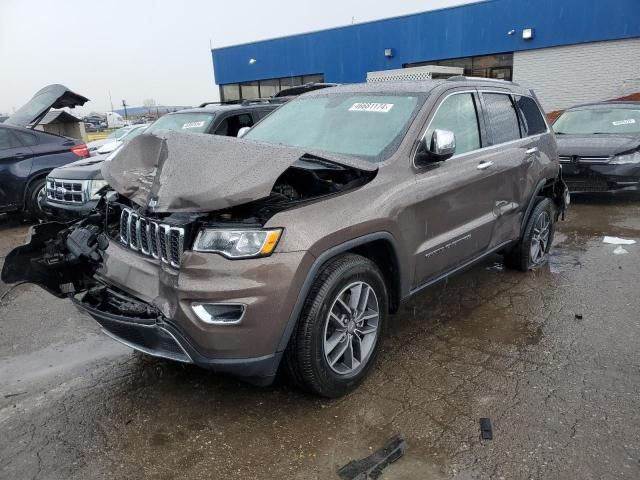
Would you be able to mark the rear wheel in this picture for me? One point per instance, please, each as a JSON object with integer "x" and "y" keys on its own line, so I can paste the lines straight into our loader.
{"x": 338, "y": 335}
{"x": 36, "y": 193}
{"x": 533, "y": 248}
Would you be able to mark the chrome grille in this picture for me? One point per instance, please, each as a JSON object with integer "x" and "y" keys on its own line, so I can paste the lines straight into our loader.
{"x": 593, "y": 159}
{"x": 151, "y": 238}
{"x": 66, "y": 191}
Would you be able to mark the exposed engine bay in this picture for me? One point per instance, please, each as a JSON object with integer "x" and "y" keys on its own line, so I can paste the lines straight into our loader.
{"x": 64, "y": 257}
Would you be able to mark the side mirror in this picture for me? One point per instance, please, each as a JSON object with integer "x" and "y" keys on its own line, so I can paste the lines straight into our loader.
{"x": 243, "y": 131}
{"x": 442, "y": 146}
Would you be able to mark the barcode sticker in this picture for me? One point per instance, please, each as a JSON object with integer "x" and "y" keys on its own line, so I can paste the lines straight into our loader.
{"x": 624, "y": 122}
{"x": 193, "y": 125}
{"x": 371, "y": 107}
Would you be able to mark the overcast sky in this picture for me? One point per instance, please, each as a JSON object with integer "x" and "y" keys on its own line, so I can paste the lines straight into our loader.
{"x": 159, "y": 49}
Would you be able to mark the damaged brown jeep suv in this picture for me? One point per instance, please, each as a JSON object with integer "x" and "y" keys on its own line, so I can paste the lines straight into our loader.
{"x": 292, "y": 245}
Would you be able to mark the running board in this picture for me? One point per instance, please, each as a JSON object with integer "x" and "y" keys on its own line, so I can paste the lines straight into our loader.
{"x": 457, "y": 269}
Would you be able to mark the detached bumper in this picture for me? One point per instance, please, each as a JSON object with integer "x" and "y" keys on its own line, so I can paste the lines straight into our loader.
{"x": 67, "y": 211}
{"x": 161, "y": 338}
{"x": 601, "y": 177}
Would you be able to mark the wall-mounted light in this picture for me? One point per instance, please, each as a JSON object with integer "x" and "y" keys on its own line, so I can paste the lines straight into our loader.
{"x": 252, "y": 61}
{"x": 527, "y": 34}
{"x": 388, "y": 52}
{"x": 511, "y": 32}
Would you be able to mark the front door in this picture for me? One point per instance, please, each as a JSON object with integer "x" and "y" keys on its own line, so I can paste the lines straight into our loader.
{"x": 454, "y": 209}
{"x": 15, "y": 166}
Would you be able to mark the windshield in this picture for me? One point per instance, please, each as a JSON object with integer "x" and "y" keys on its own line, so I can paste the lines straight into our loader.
{"x": 134, "y": 132}
{"x": 599, "y": 120}
{"x": 188, "y": 122}
{"x": 119, "y": 133}
{"x": 368, "y": 126}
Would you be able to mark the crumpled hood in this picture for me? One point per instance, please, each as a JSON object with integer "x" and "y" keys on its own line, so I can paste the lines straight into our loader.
{"x": 596, "y": 145}
{"x": 190, "y": 172}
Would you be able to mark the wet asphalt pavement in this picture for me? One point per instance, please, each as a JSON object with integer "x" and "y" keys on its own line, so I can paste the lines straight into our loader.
{"x": 552, "y": 357}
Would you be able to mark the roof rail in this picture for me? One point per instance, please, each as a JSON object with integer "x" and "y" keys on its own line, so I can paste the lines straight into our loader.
{"x": 259, "y": 101}
{"x": 215, "y": 103}
{"x": 463, "y": 78}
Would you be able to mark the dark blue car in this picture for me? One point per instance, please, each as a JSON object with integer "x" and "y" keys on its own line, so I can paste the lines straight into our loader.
{"x": 28, "y": 155}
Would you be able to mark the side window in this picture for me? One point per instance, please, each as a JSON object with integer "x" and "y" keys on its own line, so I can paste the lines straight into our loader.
{"x": 230, "y": 125}
{"x": 458, "y": 115}
{"x": 532, "y": 120}
{"x": 5, "y": 139}
{"x": 26, "y": 139}
{"x": 502, "y": 118}
{"x": 260, "y": 114}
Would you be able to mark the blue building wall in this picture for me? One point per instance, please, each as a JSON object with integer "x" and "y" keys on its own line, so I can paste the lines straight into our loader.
{"x": 345, "y": 54}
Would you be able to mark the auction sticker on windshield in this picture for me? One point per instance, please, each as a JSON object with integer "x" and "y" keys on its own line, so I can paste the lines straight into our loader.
{"x": 193, "y": 125}
{"x": 629, "y": 121}
{"x": 371, "y": 107}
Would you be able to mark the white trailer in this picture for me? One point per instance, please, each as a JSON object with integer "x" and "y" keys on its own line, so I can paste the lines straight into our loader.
{"x": 115, "y": 120}
{"x": 426, "y": 72}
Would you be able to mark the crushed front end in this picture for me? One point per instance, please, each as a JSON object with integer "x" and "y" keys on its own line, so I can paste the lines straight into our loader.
{"x": 165, "y": 281}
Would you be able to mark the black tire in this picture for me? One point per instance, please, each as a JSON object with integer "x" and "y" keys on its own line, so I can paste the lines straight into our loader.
{"x": 520, "y": 256}
{"x": 305, "y": 361}
{"x": 32, "y": 200}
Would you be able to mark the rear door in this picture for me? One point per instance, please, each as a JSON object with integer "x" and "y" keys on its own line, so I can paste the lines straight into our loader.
{"x": 15, "y": 167}
{"x": 454, "y": 198}
{"x": 512, "y": 157}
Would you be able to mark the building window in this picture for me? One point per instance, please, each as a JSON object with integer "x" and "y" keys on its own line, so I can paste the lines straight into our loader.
{"x": 230, "y": 93}
{"x": 249, "y": 90}
{"x": 236, "y": 92}
{"x": 268, "y": 88}
{"x": 489, "y": 66}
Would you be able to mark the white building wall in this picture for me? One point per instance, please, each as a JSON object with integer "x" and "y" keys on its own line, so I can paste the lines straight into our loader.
{"x": 565, "y": 76}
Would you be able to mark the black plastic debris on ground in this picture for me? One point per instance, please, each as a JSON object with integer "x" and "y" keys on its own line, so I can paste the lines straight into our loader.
{"x": 370, "y": 468}
{"x": 485, "y": 429}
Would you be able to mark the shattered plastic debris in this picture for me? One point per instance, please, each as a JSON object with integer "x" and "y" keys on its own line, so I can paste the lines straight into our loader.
{"x": 485, "y": 429}
{"x": 496, "y": 267}
{"x": 617, "y": 241}
{"x": 370, "y": 468}
{"x": 620, "y": 251}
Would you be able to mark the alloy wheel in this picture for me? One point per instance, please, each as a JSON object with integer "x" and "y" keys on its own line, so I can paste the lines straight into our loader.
{"x": 351, "y": 328}
{"x": 540, "y": 238}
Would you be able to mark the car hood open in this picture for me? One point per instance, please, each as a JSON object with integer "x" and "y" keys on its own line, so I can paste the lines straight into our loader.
{"x": 187, "y": 172}
{"x": 51, "y": 96}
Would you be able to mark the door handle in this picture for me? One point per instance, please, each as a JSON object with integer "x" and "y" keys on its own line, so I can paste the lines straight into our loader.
{"x": 20, "y": 156}
{"x": 483, "y": 165}
{"x": 532, "y": 151}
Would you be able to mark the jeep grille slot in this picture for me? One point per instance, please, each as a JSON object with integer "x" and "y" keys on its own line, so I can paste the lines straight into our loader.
{"x": 151, "y": 238}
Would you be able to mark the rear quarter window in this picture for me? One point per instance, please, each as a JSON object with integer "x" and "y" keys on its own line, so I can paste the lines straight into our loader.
{"x": 532, "y": 119}
{"x": 26, "y": 139}
{"x": 5, "y": 139}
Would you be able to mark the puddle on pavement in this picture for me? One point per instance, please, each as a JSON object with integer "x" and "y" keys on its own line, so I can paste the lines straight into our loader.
{"x": 57, "y": 359}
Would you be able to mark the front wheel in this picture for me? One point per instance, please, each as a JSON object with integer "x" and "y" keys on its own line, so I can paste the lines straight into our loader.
{"x": 34, "y": 199}
{"x": 338, "y": 335}
{"x": 533, "y": 248}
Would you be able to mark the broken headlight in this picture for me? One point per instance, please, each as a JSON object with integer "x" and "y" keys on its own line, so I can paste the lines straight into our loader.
{"x": 625, "y": 159}
{"x": 237, "y": 243}
{"x": 95, "y": 186}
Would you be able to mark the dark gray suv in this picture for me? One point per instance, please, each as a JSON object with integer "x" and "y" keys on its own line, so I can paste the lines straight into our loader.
{"x": 293, "y": 244}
